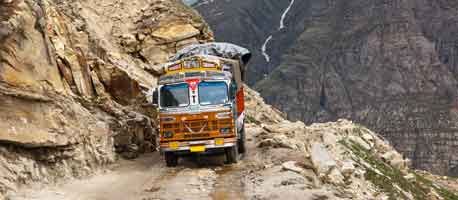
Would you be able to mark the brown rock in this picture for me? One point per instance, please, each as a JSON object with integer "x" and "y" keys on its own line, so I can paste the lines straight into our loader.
{"x": 39, "y": 138}
{"x": 98, "y": 86}
{"x": 183, "y": 43}
{"x": 129, "y": 42}
{"x": 155, "y": 54}
{"x": 292, "y": 166}
{"x": 72, "y": 80}
{"x": 25, "y": 59}
{"x": 175, "y": 32}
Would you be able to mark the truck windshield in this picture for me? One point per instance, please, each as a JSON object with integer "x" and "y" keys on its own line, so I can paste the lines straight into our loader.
{"x": 212, "y": 93}
{"x": 175, "y": 95}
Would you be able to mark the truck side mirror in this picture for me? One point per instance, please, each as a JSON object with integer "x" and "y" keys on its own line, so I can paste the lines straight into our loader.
{"x": 152, "y": 97}
{"x": 155, "y": 98}
{"x": 232, "y": 91}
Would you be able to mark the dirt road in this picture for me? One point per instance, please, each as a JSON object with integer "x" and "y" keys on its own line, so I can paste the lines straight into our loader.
{"x": 259, "y": 175}
{"x": 147, "y": 178}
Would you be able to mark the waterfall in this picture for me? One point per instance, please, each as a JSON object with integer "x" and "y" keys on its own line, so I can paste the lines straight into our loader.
{"x": 264, "y": 48}
{"x": 282, "y": 26}
{"x": 283, "y": 16}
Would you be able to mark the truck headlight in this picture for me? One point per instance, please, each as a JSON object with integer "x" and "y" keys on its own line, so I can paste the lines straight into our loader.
{"x": 225, "y": 130}
{"x": 168, "y": 134}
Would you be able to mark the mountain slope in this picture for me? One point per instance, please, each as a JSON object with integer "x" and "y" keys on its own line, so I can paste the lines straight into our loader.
{"x": 390, "y": 65}
{"x": 337, "y": 160}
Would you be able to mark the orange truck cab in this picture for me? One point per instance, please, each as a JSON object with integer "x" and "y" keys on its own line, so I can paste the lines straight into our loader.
{"x": 200, "y": 102}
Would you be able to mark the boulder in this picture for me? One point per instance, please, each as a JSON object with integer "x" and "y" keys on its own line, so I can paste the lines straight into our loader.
{"x": 370, "y": 139}
{"x": 118, "y": 83}
{"x": 129, "y": 42}
{"x": 155, "y": 54}
{"x": 325, "y": 165}
{"x": 394, "y": 159}
{"x": 175, "y": 32}
{"x": 280, "y": 141}
{"x": 329, "y": 138}
{"x": 382, "y": 146}
{"x": 348, "y": 168}
{"x": 34, "y": 124}
{"x": 292, "y": 166}
{"x": 285, "y": 142}
{"x": 285, "y": 127}
{"x": 186, "y": 42}
{"x": 334, "y": 177}
{"x": 259, "y": 111}
{"x": 322, "y": 159}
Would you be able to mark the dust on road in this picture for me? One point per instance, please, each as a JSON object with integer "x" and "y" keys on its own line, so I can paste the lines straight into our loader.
{"x": 147, "y": 178}
{"x": 203, "y": 177}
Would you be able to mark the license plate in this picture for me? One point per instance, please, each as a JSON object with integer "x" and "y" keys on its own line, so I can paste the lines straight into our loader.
{"x": 197, "y": 148}
{"x": 219, "y": 141}
{"x": 174, "y": 145}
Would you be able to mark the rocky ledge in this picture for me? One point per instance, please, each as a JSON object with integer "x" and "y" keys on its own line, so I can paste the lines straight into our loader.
{"x": 336, "y": 160}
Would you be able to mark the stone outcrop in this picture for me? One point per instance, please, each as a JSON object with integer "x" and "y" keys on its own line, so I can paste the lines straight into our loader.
{"x": 335, "y": 160}
{"x": 259, "y": 110}
{"x": 72, "y": 81}
{"x": 389, "y": 65}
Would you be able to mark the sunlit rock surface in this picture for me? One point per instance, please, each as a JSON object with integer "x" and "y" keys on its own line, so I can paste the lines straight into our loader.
{"x": 72, "y": 76}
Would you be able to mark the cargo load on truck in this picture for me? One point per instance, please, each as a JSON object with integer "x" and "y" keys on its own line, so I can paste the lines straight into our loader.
{"x": 220, "y": 49}
{"x": 200, "y": 102}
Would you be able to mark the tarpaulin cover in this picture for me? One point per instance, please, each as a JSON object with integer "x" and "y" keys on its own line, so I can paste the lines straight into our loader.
{"x": 220, "y": 49}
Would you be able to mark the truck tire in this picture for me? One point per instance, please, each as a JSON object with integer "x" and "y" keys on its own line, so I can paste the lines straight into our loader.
{"x": 241, "y": 141}
{"x": 171, "y": 160}
{"x": 232, "y": 155}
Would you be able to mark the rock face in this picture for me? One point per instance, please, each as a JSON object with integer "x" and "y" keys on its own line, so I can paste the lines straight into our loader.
{"x": 72, "y": 76}
{"x": 250, "y": 23}
{"x": 389, "y": 65}
{"x": 338, "y": 160}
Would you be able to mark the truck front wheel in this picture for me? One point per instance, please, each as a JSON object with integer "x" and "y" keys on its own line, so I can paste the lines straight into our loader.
{"x": 171, "y": 159}
{"x": 232, "y": 154}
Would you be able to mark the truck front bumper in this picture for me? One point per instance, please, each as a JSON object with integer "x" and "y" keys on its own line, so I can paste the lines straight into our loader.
{"x": 186, "y": 146}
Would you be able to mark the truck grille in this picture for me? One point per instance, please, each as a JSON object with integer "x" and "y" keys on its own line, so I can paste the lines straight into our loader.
{"x": 197, "y": 125}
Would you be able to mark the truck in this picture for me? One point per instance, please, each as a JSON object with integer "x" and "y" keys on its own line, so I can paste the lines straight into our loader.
{"x": 200, "y": 102}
